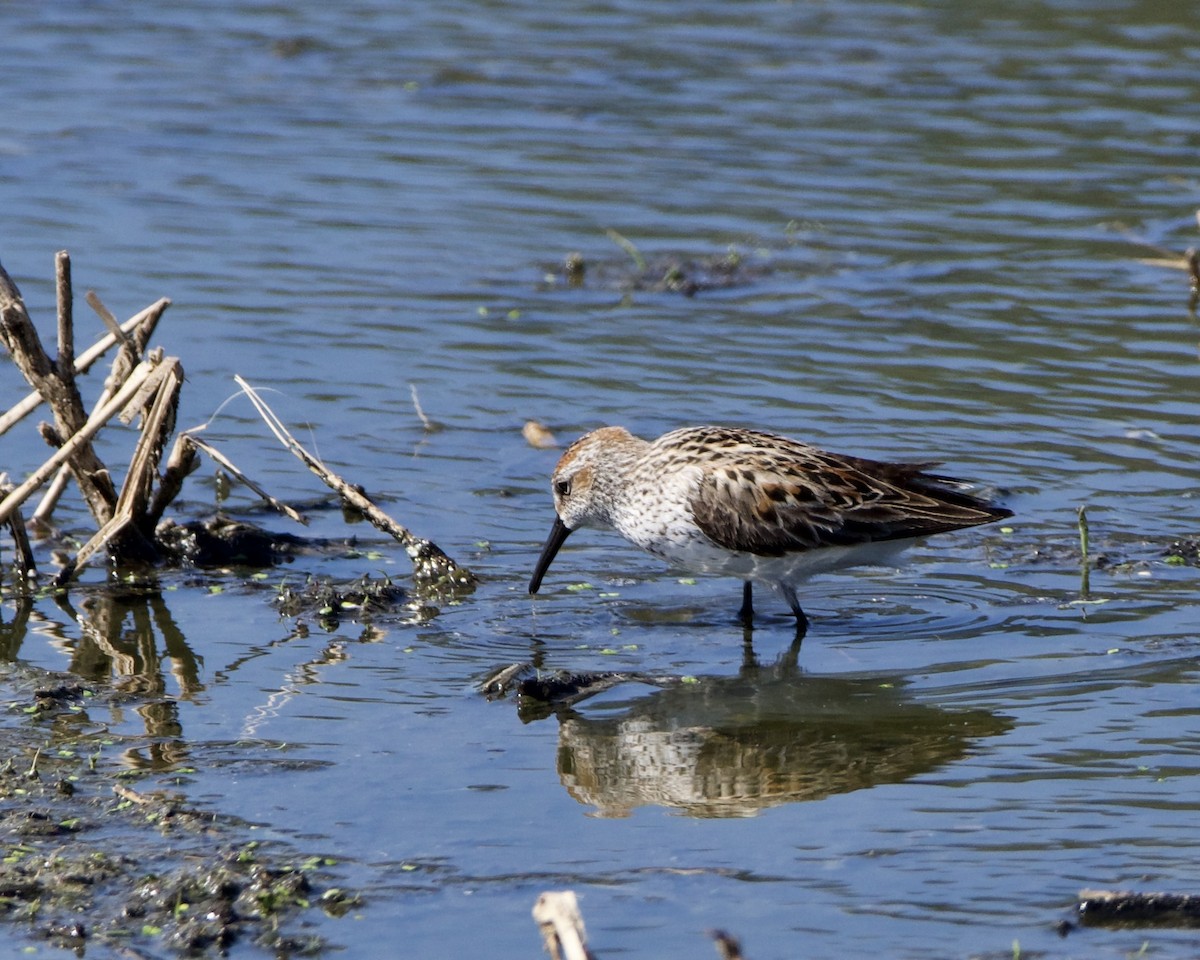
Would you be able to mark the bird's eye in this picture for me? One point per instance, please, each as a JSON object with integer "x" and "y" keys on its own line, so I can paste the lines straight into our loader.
{"x": 562, "y": 487}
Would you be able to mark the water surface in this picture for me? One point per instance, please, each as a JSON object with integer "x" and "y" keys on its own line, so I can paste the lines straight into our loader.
{"x": 944, "y": 212}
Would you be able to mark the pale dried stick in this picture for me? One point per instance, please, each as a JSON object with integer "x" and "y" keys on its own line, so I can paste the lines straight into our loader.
{"x": 143, "y": 465}
{"x": 425, "y": 421}
{"x": 52, "y": 495}
{"x": 561, "y": 924}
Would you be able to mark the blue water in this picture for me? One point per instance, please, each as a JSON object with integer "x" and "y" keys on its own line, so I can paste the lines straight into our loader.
{"x": 946, "y": 211}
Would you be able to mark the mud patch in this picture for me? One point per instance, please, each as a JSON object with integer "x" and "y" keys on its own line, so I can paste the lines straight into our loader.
{"x": 89, "y": 860}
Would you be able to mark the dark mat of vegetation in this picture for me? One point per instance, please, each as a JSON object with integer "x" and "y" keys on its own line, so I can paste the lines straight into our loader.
{"x": 658, "y": 273}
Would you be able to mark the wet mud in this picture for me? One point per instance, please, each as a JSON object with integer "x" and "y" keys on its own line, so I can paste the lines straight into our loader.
{"x": 90, "y": 860}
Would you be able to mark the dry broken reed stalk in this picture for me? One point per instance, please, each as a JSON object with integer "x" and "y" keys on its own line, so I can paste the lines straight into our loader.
{"x": 132, "y": 388}
{"x": 556, "y": 912}
{"x": 145, "y": 385}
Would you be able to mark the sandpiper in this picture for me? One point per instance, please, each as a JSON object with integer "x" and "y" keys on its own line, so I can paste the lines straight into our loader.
{"x": 751, "y": 505}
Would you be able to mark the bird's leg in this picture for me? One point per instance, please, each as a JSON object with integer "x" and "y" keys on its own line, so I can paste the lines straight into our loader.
{"x": 789, "y": 594}
{"x": 746, "y": 618}
{"x": 746, "y": 613}
{"x": 801, "y": 625}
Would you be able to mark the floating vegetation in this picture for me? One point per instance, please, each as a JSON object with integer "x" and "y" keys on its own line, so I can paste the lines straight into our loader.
{"x": 1185, "y": 552}
{"x": 329, "y": 600}
{"x": 223, "y": 542}
{"x": 1123, "y": 908}
{"x": 659, "y": 272}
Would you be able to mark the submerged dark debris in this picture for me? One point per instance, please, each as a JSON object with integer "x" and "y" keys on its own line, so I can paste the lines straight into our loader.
{"x": 541, "y": 692}
{"x": 659, "y": 273}
{"x": 1122, "y": 908}
{"x": 1116, "y": 553}
{"x": 223, "y": 542}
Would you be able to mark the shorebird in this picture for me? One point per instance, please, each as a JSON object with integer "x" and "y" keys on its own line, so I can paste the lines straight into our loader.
{"x": 753, "y": 505}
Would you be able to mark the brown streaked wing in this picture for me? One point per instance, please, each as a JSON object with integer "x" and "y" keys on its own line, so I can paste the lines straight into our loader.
{"x": 814, "y": 499}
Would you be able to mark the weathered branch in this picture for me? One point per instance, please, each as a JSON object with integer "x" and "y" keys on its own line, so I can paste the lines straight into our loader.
{"x": 79, "y": 438}
{"x": 65, "y": 362}
{"x": 157, "y": 426}
{"x": 147, "y": 385}
{"x": 142, "y": 324}
{"x": 21, "y": 339}
{"x": 182, "y": 462}
{"x": 130, "y": 517}
{"x": 131, "y": 350}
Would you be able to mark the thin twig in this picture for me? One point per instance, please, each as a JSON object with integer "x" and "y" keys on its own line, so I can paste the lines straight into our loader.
{"x": 425, "y": 421}
{"x": 228, "y": 464}
{"x": 52, "y": 495}
{"x": 180, "y": 465}
{"x": 429, "y": 562}
{"x": 1085, "y": 560}
{"x": 25, "y": 562}
{"x": 109, "y": 319}
{"x": 132, "y": 796}
{"x": 628, "y": 246}
{"x": 1084, "y": 538}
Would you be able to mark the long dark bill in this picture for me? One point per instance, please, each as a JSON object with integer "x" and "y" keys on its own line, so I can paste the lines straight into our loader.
{"x": 558, "y": 534}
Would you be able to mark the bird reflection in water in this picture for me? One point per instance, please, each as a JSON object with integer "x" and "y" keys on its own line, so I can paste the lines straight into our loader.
{"x": 732, "y": 746}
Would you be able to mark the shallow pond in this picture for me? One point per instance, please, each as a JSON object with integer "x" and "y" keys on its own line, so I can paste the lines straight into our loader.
{"x": 936, "y": 219}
